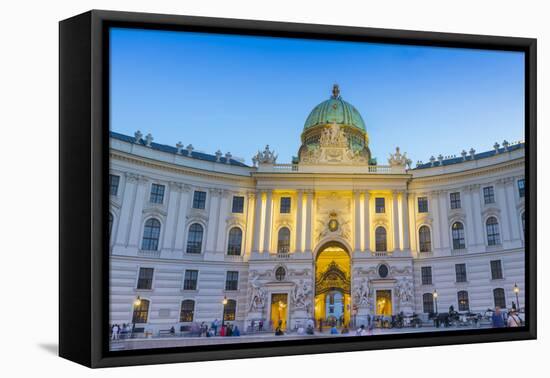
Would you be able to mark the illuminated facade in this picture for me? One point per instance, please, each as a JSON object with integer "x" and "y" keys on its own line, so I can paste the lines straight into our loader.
{"x": 331, "y": 236}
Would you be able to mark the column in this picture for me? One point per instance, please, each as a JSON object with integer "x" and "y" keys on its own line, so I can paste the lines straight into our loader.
{"x": 433, "y": 207}
{"x": 299, "y": 220}
{"x": 367, "y": 227}
{"x": 181, "y": 221}
{"x": 479, "y": 229}
{"x": 405, "y": 215}
{"x": 249, "y": 228}
{"x": 125, "y": 215}
{"x": 468, "y": 204}
{"x": 222, "y": 220}
{"x": 172, "y": 212}
{"x": 213, "y": 213}
{"x": 257, "y": 222}
{"x": 444, "y": 221}
{"x": 268, "y": 216}
{"x": 137, "y": 214}
{"x": 412, "y": 222}
{"x": 395, "y": 208}
{"x": 513, "y": 214}
{"x": 357, "y": 219}
{"x": 309, "y": 217}
{"x": 504, "y": 219}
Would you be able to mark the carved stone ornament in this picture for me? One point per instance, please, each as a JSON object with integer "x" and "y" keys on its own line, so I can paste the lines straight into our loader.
{"x": 333, "y": 226}
{"x": 333, "y": 148}
{"x": 398, "y": 159}
{"x": 265, "y": 157}
{"x": 361, "y": 294}
{"x": 404, "y": 290}
{"x": 258, "y": 294}
{"x": 301, "y": 295}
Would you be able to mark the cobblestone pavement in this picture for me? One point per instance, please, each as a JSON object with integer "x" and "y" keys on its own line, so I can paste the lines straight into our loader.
{"x": 175, "y": 341}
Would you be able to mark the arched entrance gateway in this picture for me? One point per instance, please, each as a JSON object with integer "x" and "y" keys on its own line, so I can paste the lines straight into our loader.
{"x": 333, "y": 285}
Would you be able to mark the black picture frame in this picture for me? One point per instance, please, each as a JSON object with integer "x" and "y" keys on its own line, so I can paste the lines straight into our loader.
{"x": 83, "y": 196}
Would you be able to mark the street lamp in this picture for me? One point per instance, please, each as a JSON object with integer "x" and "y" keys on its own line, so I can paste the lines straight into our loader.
{"x": 516, "y": 291}
{"x": 224, "y": 302}
{"x": 435, "y": 299}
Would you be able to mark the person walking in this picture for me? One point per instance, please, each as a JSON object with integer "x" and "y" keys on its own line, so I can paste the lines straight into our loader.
{"x": 114, "y": 332}
{"x": 513, "y": 319}
{"x": 497, "y": 319}
{"x": 215, "y": 324}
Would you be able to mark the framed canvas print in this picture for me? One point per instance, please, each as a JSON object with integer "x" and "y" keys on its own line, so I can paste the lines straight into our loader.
{"x": 233, "y": 188}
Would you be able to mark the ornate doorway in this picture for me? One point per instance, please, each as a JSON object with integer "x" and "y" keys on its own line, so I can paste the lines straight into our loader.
{"x": 279, "y": 308}
{"x": 383, "y": 303}
{"x": 333, "y": 286}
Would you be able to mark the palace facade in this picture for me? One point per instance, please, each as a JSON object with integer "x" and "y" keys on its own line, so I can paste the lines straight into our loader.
{"x": 333, "y": 235}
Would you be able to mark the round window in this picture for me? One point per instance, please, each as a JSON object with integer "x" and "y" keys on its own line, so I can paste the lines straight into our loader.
{"x": 383, "y": 271}
{"x": 280, "y": 274}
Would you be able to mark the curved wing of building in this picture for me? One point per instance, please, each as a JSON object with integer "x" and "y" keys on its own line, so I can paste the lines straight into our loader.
{"x": 332, "y": 237}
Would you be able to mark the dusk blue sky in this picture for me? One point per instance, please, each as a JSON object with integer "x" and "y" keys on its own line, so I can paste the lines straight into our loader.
{"x": 238, "y": 93}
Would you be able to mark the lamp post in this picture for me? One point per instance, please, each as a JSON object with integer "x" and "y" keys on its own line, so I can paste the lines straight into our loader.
{"x": 436, "y": 312}
{"x": 224, "y": 302}
{"x": 516, "y": 291}
{"x": 137, "y": 303}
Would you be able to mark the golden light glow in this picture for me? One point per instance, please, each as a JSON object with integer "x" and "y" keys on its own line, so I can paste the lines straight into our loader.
{"x": 279, "y": 310}
{"x": 383, "y": 303}
{"x": 137, "y": 301}
{"x": 339, "y": 257}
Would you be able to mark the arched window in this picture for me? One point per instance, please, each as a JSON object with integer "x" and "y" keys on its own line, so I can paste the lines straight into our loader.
{"x": 230, "y": 309}
{"x": 194, "y": 238}
{"x": 500, "y": 299}
{"x": 283, "y": 240}
{"x": 523, "y": 223}
{"x": 141, "y": 311}
{"x": 458, "y": 236}
{"x": 428, "y": 303}
{"x": 380, "y": 237}
{"x": 235, "y": 241}
{"x": 187, "y": 311}
{"x": 493, "y": 233}
{"x": 463, "y": 301}
{"x": 110, "y": 224}
{"x": 425, "y": 239}
{"x": 151, "y": 235}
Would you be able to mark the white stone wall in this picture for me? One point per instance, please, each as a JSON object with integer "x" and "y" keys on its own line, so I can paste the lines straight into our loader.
{"x": 139, "y": 167}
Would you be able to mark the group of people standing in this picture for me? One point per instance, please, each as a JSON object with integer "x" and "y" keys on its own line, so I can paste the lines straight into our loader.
{"x": 500, "y": 319}
{"x": 120, "y": 331}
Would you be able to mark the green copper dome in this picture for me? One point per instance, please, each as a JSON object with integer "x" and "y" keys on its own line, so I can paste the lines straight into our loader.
{"x": 335, "y": 110}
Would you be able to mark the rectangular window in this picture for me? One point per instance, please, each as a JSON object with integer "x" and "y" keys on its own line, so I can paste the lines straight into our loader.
{"x": 199, "y": 200}
{"x": 285, "y": 205}
{"x": 496, "y": 270}
{"x": 460, "y": 270}
{"x": 190, "y": 280}
{"x": 426, "y": 275}
{"x": 232, "y": 281}
{"x": 489, "y": 195}
{"x": 145, "y": 279}
{"x": 428, "y": 303}
{"x": 238, "y": 205}
{"x": 455, "y": 200}
{"x": 422, "y": 204}
{"x": 521, "y": 188}
{"x": 114, "y": 180}
{"x": 157, "y": 193}
{"x": 499, "y": 297}
{"x": 380, "y": 205}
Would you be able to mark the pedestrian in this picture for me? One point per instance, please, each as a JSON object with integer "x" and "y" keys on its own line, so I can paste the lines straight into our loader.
{"x": 260, "y": 325}
{"x": 345, "y": 330}
{"x": 320, "y": 325}
{"x": 359, "y": 331}
{"x": 513, "y": 319}
{"x": 333, "y": 330}
{"x": 497, "y": 319}
{"x": 222, "y": 330}
{"x": 229, "y": 331}
{"x": 114, "y": 332}
{"x": 236, "y": 331}
{"x": 215, "y": 325}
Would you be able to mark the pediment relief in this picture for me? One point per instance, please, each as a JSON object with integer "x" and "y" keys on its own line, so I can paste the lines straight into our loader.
{"x": 155, "y": 210}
